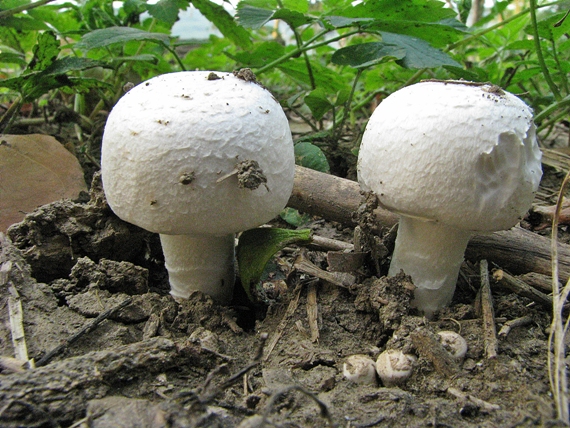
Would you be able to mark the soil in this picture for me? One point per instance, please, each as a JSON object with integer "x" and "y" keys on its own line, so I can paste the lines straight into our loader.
{"x": 157, "y": 362}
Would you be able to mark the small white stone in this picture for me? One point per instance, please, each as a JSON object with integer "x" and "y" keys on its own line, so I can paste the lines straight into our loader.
{"x": 360, "y": 369}
{"x": 454, "y": 343}
{"x": 394, "y": 367}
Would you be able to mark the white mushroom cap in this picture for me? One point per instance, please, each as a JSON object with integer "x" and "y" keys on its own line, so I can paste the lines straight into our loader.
{"x": 360, "y": 369}
{"x": 394, "y": 367}
{"x": 170, "y": 140}
{"x": 454, "y": 343}
{"x": 456, "y": 153}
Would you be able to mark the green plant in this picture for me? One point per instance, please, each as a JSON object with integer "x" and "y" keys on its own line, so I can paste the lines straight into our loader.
{"x": 327, "y": 62}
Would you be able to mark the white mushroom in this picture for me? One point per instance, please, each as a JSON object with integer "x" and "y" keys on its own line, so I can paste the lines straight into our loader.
{"x": 196, "y": 157}
{"x": 360, "y": 369}
{"x": 454, "y": 343}
{"x": 394, "y": 367}
{"x": 451, "y": 158}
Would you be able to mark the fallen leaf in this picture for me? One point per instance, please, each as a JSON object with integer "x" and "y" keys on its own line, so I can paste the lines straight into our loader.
{"x": 35, "y": 170}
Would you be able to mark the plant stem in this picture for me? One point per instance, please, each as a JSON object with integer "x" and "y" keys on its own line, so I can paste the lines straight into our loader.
{"x": 307, "y": 46}
{"x": 10, "y": 114}
{"x": 539, "y": 56}
{"x": 338, "y": 130}
{"x": 557, "y": 374}
{"x": 22, "y": 8}
{"x": 551, "y": 108}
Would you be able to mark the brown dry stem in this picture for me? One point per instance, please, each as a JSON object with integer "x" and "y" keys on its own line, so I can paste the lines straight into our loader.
{"x": 488, "y": 313}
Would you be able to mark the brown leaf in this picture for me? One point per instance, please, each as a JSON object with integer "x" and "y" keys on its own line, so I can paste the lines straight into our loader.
{"x": 35, "y": 169}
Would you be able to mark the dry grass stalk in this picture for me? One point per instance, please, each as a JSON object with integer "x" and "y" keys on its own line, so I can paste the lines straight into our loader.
{"x": 559, "y": 327}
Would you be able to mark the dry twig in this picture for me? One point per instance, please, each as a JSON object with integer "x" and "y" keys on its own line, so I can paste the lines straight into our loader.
{"x": 340, "y": 279}
{"x": 517, "y": 322}
{"x": 521, "y": 288}
{"x": 474, "y": 400}
{"x": 558, "y": 329}
{"x": 87, "y": 329}
{"x": 312, "y": 311}
{"x": 488, "y": 313}
{"x": 432, "y": 350}
{"x": 283, "y": 323}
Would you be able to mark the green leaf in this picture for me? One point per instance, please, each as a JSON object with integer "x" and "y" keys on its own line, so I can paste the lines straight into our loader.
{"x": 12, "y": 58}
{"x": 311, "y": 156}
{"x": 68, "y": 64}
{"x": 324, "y": 77}
{"x": 419, "y": 54}
{"x": 318, "y": 103}
{"x": 343, "y": 21}
{"x": 547, "y": 29}
{"x": 294, "y": 217}
{"x": 262, "y": 54}
{"x": 108, "y": 36}
{"x": 33, "y": 85}
{"x": 367, "y": 54}
{"x": 436, "y": 34}
{"x": 256, "y": 17}
{"x": 464, "y": 7}
{"x": 408, "y": 10}
{"x": 301, "y": 6}
{"x": 224, "y": 22}
{"x": 167, "y": 10}
{"x": 152, "y": 59}
{"x": 461, "y": 73}
{"x": 253, "y": 17}
{"x": 45, "y": 51}
{"x": 257, "y": 246}
{"x": 23, "y": 23}
{"x": 293, "y": 18}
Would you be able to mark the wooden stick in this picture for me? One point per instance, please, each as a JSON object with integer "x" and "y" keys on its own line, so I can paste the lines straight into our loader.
{"x": 432, "y": 350}
{"x": 293, "y": 303}
{"x": 16, "y": 314}
{"x": 471, "y": 398}
{"x": 340, "y": 279}
{"x": 516, "y": 250}
{"x": 521, "y": 288}
{"x": 488, "y": 313}
{"x": 312, "y": 311}
{"x": 517, "y": 322}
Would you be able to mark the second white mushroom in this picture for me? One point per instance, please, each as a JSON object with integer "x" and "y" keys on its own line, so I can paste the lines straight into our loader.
{"x": 451, "y": 158}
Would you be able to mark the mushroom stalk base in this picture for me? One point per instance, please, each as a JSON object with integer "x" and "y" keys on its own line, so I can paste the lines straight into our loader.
{"x": 431, "y": 253}
{"x": 204, "y": 263}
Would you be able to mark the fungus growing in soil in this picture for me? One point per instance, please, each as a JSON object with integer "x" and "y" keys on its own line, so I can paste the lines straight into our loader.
{"x": 360, "y": 369}
{"x": 394, "y": 367}
{"x": 196, "y": 157}
{"x": 451, "y": 158}
{"x": 454, "y": 343}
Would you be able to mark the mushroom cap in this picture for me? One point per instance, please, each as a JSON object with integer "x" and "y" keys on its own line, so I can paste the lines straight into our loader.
{"x": 360, "y": 368}
{"x": 171, "y": 146}
{"x": 393, "y": 366}
{"x": 454, "y": 152}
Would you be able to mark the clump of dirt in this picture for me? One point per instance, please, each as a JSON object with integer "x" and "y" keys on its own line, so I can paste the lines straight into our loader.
{"x": 160, "y": 362}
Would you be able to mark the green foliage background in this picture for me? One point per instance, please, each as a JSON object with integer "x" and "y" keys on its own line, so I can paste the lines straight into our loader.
{"x": 328, "y": 62}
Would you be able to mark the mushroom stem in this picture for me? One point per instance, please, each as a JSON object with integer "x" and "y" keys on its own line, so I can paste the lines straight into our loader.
{"x": 200, "y": 263}
{"x": 431, "y": 253}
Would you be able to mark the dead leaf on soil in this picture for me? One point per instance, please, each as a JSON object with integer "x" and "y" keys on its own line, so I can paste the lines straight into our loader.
{"x": 35, "y": 169}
